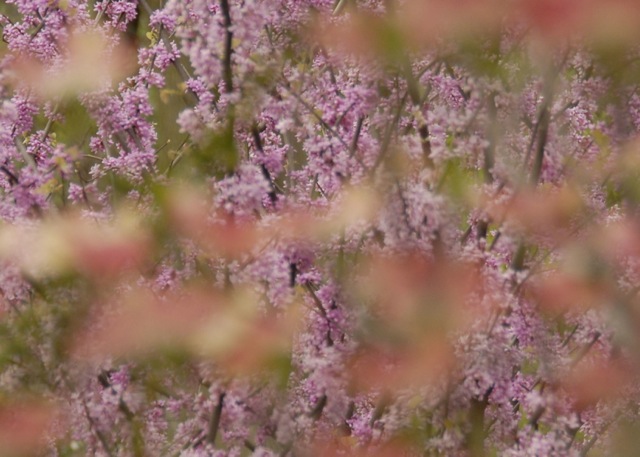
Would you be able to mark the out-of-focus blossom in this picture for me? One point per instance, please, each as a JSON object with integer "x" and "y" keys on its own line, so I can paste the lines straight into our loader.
{"x": 89, "y": 61}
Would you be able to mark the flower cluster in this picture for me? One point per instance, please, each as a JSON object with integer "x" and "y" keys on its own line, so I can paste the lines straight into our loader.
{"x": 318, "y": 227}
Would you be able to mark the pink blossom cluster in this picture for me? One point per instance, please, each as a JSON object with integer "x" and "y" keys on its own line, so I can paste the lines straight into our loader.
{"x": 319, "y": 227}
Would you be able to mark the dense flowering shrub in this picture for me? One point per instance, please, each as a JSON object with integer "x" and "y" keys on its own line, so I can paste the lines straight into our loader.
{"x": 318, "y": 227}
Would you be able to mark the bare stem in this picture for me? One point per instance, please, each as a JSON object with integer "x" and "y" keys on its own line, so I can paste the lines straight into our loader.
{"x": 227, "y": 74}
{"x": 214, "y": 425}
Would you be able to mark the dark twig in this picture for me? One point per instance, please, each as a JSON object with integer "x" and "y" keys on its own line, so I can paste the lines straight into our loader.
{"x": 214, "y": 424}
{"x": 227, "y": 74}
{"x": 273, "y": 196}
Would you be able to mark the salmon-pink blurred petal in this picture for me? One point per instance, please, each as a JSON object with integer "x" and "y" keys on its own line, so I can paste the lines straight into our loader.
{"x": 24, "y": 427}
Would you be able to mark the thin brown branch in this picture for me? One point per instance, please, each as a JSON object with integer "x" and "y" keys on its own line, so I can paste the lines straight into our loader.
{"x": 273, "y": 196}
{"x": 227, "y": 74}
{"x": 214, "y": 424}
